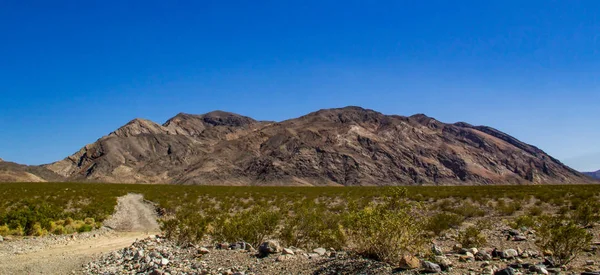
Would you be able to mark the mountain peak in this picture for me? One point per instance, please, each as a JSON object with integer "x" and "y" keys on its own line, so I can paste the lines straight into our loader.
{"x": 138, "y": 126}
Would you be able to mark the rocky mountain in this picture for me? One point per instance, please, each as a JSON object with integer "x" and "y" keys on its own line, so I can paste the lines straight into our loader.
{"x": 346, "y": 146}
{"x": 14, "y": 172}
{"x": 595, "y": 175}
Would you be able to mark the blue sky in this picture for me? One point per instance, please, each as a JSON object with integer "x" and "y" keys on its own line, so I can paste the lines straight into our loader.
{"x": 73, "y": 71}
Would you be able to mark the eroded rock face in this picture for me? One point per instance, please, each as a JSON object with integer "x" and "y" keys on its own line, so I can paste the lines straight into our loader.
{"x": 347, "y": 146}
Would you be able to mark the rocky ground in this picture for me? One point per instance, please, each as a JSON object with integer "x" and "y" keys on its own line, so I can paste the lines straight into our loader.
{"x": 508, "y": 252}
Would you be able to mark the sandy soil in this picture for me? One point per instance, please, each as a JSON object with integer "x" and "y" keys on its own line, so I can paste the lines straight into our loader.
{"x": 134, "y": 219}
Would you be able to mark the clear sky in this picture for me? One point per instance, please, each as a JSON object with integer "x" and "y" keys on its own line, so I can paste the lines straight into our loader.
{"x": 73, "y": 71}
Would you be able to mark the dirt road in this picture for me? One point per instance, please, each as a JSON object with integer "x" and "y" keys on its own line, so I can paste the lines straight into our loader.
{"x": 133, "y": 219}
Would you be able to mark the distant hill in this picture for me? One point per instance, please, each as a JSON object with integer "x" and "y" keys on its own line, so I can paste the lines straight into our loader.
{"x": 346, "y": 146}
{"x": 595, "y": 175}
{"x": 13, "y": 172}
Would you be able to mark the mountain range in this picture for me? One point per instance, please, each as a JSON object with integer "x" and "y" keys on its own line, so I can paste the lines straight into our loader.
{"x": 595, "y": 175}
{"x": 345, "y": 146}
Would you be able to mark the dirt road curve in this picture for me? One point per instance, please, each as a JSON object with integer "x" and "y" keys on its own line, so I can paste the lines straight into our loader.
{"x": 133, "y": 219}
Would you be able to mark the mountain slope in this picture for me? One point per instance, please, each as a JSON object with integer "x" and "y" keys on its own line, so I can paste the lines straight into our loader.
{"x": 595, "y": 175}
{"x": 346, "y": 146}
{"x": 13, "y": 172}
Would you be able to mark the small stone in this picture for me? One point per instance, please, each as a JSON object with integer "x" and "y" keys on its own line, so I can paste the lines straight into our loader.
{"x": 506, "y": 271}
{"x": 457, "y": 247}
{"x": 436, "y": 250}
{"x": 509, "y": 254}
{"x": 409, "y": 262}
{"x": 430, "y": 267}
{"x": 203, "y": 251}
{"x": 589, "y": 262}
{"x": 472, "y": 250}
{"x": 223, "y": 246}
{"x": 321, "y": 251}
{"x": 156, "y": 272}
{"x": 487, "y": 271}
{"x": 287, "y": 251}
{"x": 519, "y": 238}
{"x": 283, "y": 258}
{"x": 164, "y": 261}
{"x": 444, "y": 262}
{"x": 269, "y": 247}
{"x": 1, "y": 239}
{"x": 482, "y": 256}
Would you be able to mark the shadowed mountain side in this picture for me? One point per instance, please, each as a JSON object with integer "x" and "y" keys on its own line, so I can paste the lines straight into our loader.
{"x": 346, "y": 146}
{"x": 595, "y": 175}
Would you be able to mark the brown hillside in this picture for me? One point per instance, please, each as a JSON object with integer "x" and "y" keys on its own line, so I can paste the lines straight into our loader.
{"x": 346, "y": 146}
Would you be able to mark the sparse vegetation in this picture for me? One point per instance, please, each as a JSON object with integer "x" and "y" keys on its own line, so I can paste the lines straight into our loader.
{"x": 378, "y": 222}
{"x": 564, "y": 238}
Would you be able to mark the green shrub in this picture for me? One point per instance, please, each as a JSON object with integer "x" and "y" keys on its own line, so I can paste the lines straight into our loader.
{"x": 186, "y": 227}
{"x": 469, "y": 210}
{"x": 586, "y": 212}
{"x": 85, "y": 228}
{"x": 4, "y": 230}
{"x": 253, "y": 226}
{"x": 311, "y": 226}
{"x": 443, "y": 221}
{"x": 508, "y": 208}
{"x": 472, "y": 237}
{"x": 564, "y": 238}
{"x": 387, "y": 231}
{"x": 523, "y": 221}
{"x": 535, "y": 211}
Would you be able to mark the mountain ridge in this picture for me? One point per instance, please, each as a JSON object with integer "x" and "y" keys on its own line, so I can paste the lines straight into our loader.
{"x": 595, "y": 175}
{"x": 340, "y": 146}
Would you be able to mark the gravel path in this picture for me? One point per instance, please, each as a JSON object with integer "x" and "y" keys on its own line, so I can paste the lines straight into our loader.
{"x": 134, "y": 219}
{"x": 133, "y": 214}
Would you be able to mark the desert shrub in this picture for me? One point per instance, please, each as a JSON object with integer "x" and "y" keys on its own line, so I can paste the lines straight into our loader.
{"x": 471, "y": 237}
{"x": 443, "y": 221}
{"x": 564, "y": 238}
{"x": 386, "y": 231}
{"x": 36, "y": 230}
{"x": 586, "y": 212}
{"x": 523, "y": 221}
{"x": 508, "y": 208}
{"x": 59, "y": 230}
{"x": 469, "y": 210}
{"x": 252, "y": 226}
{"x": 186, "y": 227}
{"x": 85, "y": 228}
{"x": 535, "y": 211}
{"x": 89, "y": 221}
{"x": 4, "y": 230}
{"x": 311, "y": 226}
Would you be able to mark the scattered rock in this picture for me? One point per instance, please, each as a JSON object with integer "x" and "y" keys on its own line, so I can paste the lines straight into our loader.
{"x": 321, "y": 251}
{"x": 457, "y": 247}
{"x": 482, "y": 256}
{"x": 269, "y": 247}
{"x": 430, "y": 267}
{"x": 519, "y": 238}
{"x": 283, "y": 258}
{"x": 506, "y": 271}
{"x": 409, "y": 262}
{"x": 589, "y": 262}
{"x": 287, "y": 251}
{"x": 436, "y": 250}
{"x": 509, "y": 254}
{"x": 203, "y": 251}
